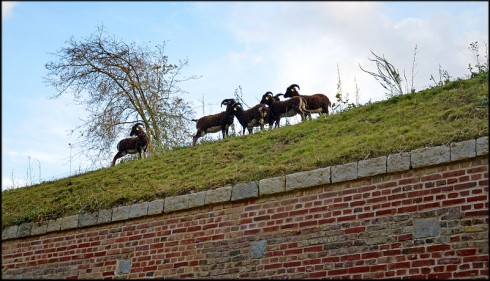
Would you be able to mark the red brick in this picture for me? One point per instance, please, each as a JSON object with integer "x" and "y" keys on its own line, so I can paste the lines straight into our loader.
{"x": 466, "y": 252}
{"x": 469, "y": 273}
{"x": 438, "y": 248}
{"x": 451, "y": 202}
{"x": 337, "y": 271}
{"x": 449, "y": 261}
{"x": 317, "y": 274}
{"x": 475, "y": 259}
{"x": 355, "y": 230}
{"x": 358, "y": 269}
{"x": 476, "y": 214}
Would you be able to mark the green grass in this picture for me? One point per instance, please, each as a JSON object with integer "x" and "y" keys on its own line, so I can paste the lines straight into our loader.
{"x": 440, "y": 115}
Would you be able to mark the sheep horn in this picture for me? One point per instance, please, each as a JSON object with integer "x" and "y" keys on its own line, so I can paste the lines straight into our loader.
{"x": 276, "y": 96}
{"x": 227, "y": 101}
{"x": 269, "y": 94}
{"x": 139, "y": 124}
{"x": 294, "y": 85}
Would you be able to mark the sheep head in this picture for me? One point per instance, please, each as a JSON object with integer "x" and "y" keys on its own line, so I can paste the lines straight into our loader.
{"x": 291, "y": 91}
{"x": 135, "y": 129}
{"x": 237, "y": 105}
{"x": 228, "y": 102}
{"x": 266, "y": 98}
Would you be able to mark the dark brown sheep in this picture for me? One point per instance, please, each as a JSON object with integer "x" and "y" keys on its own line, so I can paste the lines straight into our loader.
{"x": 317, "y": 103}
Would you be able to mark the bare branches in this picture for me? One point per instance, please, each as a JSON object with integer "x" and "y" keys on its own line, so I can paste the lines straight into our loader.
{"x": 120, "y": 83}
{"x": 388, "y": 76}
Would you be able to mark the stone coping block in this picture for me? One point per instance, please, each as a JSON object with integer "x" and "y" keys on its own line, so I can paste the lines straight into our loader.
{"x": 344, "y": 172}
{"x": 138, "y": 210}
{"x": 272, "y": 185}
{"x": 155, "y": 207}
{"x": 39, "y": 228}
{"x": 197, "y": 199}
{"x": 244, "y": 190}
{"x": 120, "y": 213}
{"x": 69, "y": 222}
{"x": 54, "y": 225}
{"x": 87, "y": 219}
{"x": 104, "y": 216}
{"x": 463, "y": 150}
{"x": 10, "y": 232}
{"x": 386, "y": 164}
{"x": 24, "y": 229}
{"x": 398, "y": 162}
{"x": 482, "y": 146}
{"x": 218, "y": 195}
{"x": 430, "y": 156}
{"x": 371, "y": 167}
{"x": 176, "y": 203}
{"x": 308, "y": 178}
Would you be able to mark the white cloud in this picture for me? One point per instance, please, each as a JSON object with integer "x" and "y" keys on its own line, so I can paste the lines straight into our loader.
{"x": 7, "y": 7}
{"x": 303, "y": 42}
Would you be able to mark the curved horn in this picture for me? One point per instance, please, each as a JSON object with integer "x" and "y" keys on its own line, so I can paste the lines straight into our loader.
{"x": 227, "y": 101}
{"x": 269, "y": 94}
{"x": 276, "y": 96}
{"x": 294, "y": 85}
{"x": 139, "y": 124}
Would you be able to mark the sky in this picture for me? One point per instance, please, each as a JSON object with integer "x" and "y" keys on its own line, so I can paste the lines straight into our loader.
{"x": 257, "y": 46}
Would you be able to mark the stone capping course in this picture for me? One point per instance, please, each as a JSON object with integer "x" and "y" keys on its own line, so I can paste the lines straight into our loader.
{"x": 403, "y": 161}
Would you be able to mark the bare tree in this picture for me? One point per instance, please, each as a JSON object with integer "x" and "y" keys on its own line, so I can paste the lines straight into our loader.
{"x": 121, "y": 83}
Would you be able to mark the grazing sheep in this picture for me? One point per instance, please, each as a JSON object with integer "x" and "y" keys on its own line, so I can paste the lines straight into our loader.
{"x": 317, "y": 103}
{"x": 250, "y": 118}
{"x": 216, "y": 122}
{"x": 132, "y": 145}
{"x": 287, "y": 108}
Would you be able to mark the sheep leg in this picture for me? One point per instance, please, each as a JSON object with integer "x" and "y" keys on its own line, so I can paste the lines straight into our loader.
{"x": 118, "y": 155}
{"x": 199, "y": 133}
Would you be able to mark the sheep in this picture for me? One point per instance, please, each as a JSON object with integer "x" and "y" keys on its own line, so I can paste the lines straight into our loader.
{"x": 287, "y": 108}
{"x": 317, "y": 103}
{"x": 132, "y": 145}
{"x": 214, "y": 123}
{"x": 250, "y": 118}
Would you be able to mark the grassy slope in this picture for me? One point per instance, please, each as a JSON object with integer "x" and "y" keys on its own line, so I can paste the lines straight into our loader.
{"x": 440, "y": 115}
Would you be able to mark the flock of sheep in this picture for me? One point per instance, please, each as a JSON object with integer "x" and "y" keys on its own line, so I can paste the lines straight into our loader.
{"x": 270, "y": 110}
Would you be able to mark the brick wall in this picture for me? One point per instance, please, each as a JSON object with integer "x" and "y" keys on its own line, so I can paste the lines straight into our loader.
{"x": 427, "y": 222}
